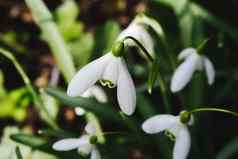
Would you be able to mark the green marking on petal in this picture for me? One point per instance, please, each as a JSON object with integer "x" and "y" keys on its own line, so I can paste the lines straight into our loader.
{"x": 107, "y": 83}
{"x": 170, "y": 135}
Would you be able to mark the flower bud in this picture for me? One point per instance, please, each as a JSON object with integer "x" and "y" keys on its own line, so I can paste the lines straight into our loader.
{"x": 185, "y": 117}
{"x": 93, "y": 140}
{"x": 118, "y": 49}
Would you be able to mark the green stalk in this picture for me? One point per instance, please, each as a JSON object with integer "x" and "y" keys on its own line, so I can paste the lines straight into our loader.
{"x": 91, "y": 118}
{"x": 36, "y": 99}
{"x": 162, "y": 84}
{"x": 52, "y": 35}
{"x": 215, "y": 110}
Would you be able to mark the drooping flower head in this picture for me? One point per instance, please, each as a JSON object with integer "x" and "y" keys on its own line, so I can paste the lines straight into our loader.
{"x": 85, "y": 144}
{"x": 111, "y": 70}
{"x": 175, "y": 127}
{"x": 192, "y": 62}
{"x": 139, "y": 32}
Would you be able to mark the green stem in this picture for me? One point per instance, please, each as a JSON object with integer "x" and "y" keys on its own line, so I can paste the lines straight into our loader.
{"x": 202, "y": 45}
{"x": 155, "y": 25}
{"x": 214, "y": 110}
{"x": 37, "y": 101}
{"x": 146, "y": 53}
{"x": 162, "y": 84}
{"x": 164, "y": 93}
{"x": 91, "y": 118}
{"x": 52, "y": 35}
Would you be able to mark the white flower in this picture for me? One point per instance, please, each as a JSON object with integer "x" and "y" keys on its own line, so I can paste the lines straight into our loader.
{"x": 175, "y": 129}
{"x": 94, "y": 91}
{"x": 83, "y": 144}
{"x": 192, "y": 62}
{"x": 139, "y": 32}
{"x": 111, "y": 71}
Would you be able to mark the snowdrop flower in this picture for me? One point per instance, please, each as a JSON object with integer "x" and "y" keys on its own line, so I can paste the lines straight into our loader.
{"x": 111, "y": 69}
{"x": 95, "y": 91}
{"x": 192, "y": 62}
{"x": 139, "y": 32}
{"x": 174, "y": 127}
{"x": 85, "y": 144}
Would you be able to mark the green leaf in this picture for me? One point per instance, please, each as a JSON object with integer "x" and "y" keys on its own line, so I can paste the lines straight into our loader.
{"x": 99, "y": 109}
{"x": 177, "y": 5}
{"x": 29, "y": 140}
{"x": 192, "y": 28}
{"x": 2, "y": 88}
{"x": 145, "y": 107}
{"x": 153, "y": 74}
{"x": 18, "y": 153}
{"x": 215, "y": 21}
{"x": 67, "y": 12}
{"x": 82, "y": 48}
{"x": 106, "y": 36}
{"x": 53, "y": 37}
{"x": 14, "y": 104}
{"x": 230, "y": 149}
{"x": 57, "y": 133}
{"x": 36, "y": 98}
{"x": 42, "y": 144}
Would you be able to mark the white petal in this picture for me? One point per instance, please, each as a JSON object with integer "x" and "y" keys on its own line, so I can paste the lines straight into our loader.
{"x": 210, "y": 71}
{"x": 126, "y": 93}
{"x": 85, "y": 150}
{"x": 182, "y": 144}
{"x": 159, "y": 123}
{"x": 111, "y": 72}
{"x": 183, "y": 73}
{"x": 95, "y": 154}
{"x": 186, "y": 52}
{"x": 99, "y": 94}
{"x": 87, "y": 76}
{"x": 69, "y": 144}
{"x": 90, "y": 129}
{"x": 79, "y": 111}
{"x": 139, "y": 32}
{"x": 96, "y": 92}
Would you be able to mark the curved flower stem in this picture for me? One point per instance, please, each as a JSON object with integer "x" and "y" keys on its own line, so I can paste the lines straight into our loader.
{"x": 115, "y": 133}
{"x": 36, "y": 99}
{"x": 162, "y": 83}
{"x": 146, "y": 53}
{"x": 214, "y": 110}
